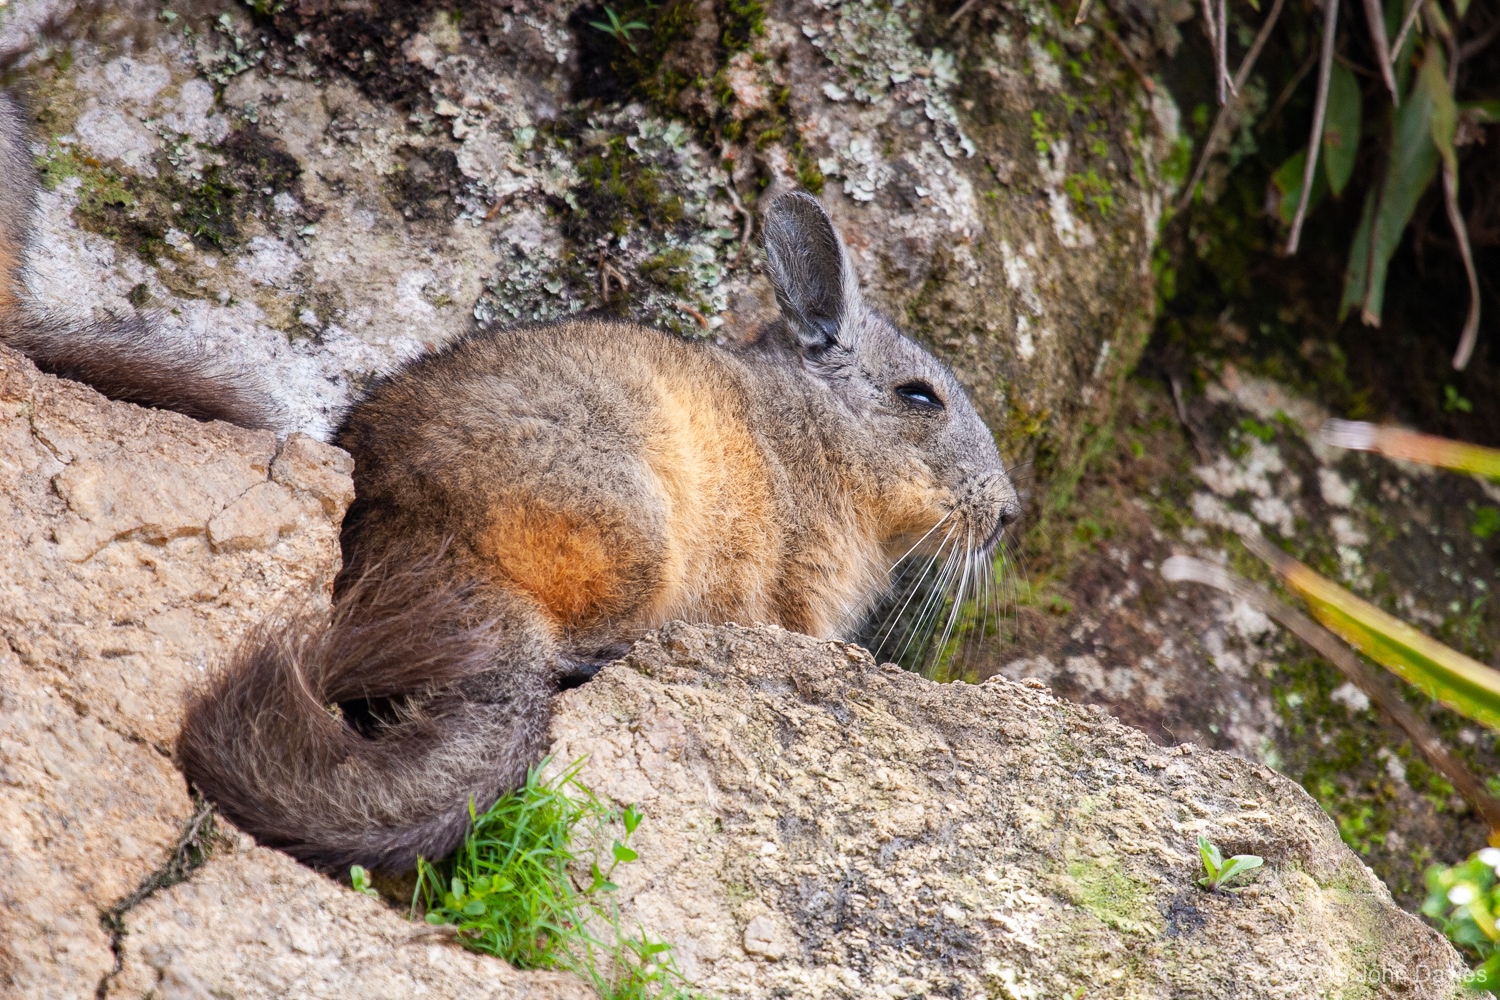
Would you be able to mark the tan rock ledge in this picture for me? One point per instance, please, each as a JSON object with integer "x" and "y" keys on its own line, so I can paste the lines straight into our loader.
{"x": 820, "y": 826}
{"x": 816, "y": 825}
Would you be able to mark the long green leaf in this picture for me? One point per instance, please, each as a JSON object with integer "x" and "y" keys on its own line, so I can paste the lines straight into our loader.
{"x": 1410, "y": 446}
{"x": 1357, "y": 274}
{"x": 1444, "y": 110}
{"x": 1444, "y": 674}
{"x": 1412, "y": 166}
{"x": 1341, "y": 132}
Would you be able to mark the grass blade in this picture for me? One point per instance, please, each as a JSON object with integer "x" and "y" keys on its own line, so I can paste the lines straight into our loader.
{"x": 1444, "y": 674}
{"x": 1411, "y": 446}
{"x": 1422, "y": 735}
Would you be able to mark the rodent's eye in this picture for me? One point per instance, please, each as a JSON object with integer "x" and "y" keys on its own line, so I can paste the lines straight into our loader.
{"x": 921, "y": 394}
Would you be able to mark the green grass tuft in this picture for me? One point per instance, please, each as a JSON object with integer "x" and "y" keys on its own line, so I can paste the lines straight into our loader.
{"x": 510, "y": 891}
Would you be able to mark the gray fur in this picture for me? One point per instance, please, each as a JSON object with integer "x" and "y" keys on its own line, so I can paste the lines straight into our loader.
{"x": 574, "y": 424}
{"x": 123, "y": 357}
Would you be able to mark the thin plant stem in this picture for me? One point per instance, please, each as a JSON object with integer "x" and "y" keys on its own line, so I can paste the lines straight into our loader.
{"x": 1406, "y": 26}
{"x": 1130, "y": 59}
{"x": 1223, "y": 53}
{"x": 963, "y": 9}
{"x": 1215, "y": 134}
{"x": 1320, "y": 113}
{"x": 1213, "y": 34}
{"x": 1287, "y": 92}
{"x": 1382, "y": 46}
{"x": 1461, "y": 232}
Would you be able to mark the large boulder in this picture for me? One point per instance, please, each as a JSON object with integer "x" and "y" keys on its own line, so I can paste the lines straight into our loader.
{"x": 323, "y": 188}
{"x": 818, "y": 825}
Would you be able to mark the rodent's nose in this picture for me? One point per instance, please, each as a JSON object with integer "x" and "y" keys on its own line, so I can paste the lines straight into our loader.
{"x": 1008, "y": 516}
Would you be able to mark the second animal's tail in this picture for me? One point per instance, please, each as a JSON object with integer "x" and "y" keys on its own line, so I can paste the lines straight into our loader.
{"x": 365, "y": 739}
{"x": 123, "y": 358}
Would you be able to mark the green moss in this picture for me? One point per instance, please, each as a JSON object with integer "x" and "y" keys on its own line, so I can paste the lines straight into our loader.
{"x": 671, "y": 269}
{"x": 1100, "y": 887}
{"x": 619, "y": 191}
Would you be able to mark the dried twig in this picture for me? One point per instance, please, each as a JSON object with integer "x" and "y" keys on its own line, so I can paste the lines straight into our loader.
{"x": 1223, "y": 53}
{"x": 1320, "y": 113}
{"x": 702, "y": 319}
{"x": 608, "y": 272}
{"x": 500, "y": 203}
{"x": 1474, "y": 46}
{"x": 1287, "y": 92}
{"x": 1130, "y": 60}
{"x": 967, "y": 6}
{"x": 1212, "y": 26}
{"x": 1083, "y": 12}
{"x": 1406, "y": 26}
{"x": 1205, "y": 455}
{"x": 1376, "y": 18}
{"x": 1460, "y": 230}
{"x": 1215, "y": 134}
{"x": 747, "y": 230}
{"x": 1333, "y": 649}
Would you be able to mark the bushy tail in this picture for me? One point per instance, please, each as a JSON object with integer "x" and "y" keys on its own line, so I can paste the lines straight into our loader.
{"x": 437, "y": 721}
{"x": 122, "y": 358}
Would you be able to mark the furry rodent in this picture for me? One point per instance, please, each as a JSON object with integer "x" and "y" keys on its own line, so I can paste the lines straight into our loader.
{"x": 531, "y": 500}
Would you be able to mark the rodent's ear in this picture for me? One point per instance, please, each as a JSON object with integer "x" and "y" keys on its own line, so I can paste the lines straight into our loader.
{"x": 815, "y": 282}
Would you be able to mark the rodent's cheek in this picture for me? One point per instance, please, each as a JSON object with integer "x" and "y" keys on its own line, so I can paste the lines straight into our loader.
{"x": 912, "y": 509}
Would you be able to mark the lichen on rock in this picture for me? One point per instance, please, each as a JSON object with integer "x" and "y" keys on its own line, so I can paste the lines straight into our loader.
{"x": 818, "y": 825}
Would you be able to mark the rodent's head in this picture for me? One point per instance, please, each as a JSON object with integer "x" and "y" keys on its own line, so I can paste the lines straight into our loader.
{"x": 940, "y": 481}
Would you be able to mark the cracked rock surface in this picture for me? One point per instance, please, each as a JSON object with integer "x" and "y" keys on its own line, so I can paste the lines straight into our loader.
{"x": 136, "y": 548}
{"x": 820, "y": 826}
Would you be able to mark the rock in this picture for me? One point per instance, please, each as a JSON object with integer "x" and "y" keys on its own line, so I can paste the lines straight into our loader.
{"x": 253, "y": 923}
{"x": 136, "y": 548}
{"x": 112, "y": 603}
{"x": 820, "y": 826}
{"x": 318, "y": 192}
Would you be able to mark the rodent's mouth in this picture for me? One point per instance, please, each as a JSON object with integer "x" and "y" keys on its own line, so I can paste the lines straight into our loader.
{"x": 993, "y": 542}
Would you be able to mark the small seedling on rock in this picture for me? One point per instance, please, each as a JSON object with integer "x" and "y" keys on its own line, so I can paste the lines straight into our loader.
{"x": 360, "y": 880}
{"x": 1217, "y": 872}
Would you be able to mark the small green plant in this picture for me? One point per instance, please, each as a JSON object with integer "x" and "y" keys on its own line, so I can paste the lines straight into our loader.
{"x": 619, "y": 31}
{"x": 1463, "y": 900}
{"x": 510, "y": 890}
{"x": 1486, "y": 523}
{"x": 1455, "y": 403}
{"x": 360, "y": 880}
{"x": 1218, "y": 873}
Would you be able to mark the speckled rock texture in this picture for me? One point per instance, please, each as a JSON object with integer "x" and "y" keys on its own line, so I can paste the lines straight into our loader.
{"x": 324, "y": 188}
{"x": 253, "y": 923}
{"x": 820, "y": 826}
{"x": 136, "y": 548}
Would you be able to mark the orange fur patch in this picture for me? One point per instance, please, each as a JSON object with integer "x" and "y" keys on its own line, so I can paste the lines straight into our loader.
{"x": 724, "y": 542}
{"x": 563, "y": 562}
